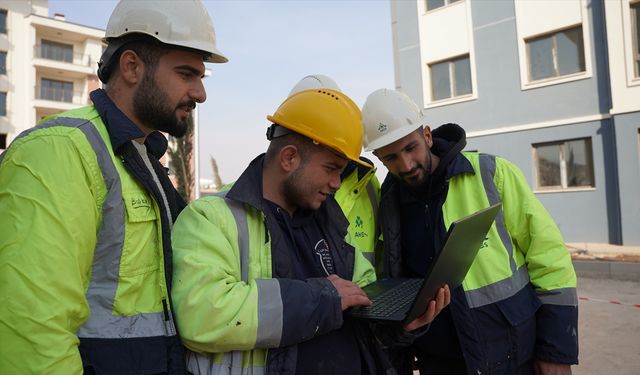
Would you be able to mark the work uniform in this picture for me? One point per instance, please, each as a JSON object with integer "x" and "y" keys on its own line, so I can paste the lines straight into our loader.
{"x": 518, "y": 301}
{"x": 252, "y": 298}
{"x": 359, "y": 197}
{"x": 85, "y": 250}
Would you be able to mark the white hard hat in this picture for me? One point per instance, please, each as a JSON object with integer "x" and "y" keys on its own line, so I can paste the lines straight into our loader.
{"x": 184, "y": 24}
{"x": 315, "y": 81}
{"x": 388, "y": 115}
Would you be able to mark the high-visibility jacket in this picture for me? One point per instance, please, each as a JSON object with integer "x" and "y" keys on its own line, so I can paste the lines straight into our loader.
{"x": 359, "y": 197}
{"x": 84, "y": 253}
{"x": 233, "y": 314}
{"x": 523, "y": 274}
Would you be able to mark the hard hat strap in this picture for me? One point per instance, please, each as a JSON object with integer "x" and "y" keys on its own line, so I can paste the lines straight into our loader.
{"x": 275, "y": 131}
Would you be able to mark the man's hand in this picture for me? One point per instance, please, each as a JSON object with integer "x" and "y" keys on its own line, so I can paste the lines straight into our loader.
{"x": 435, "y": 306}
{"x": 549, "y": 368}
{"x": 350, "y": 293}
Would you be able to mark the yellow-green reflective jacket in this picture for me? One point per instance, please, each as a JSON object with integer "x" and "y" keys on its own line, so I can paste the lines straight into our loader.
{"x": 359, "y": 198}
{"x": 231, "y": 310}
{"x": 82, "y": 272}
{"x": 523, "y": 249}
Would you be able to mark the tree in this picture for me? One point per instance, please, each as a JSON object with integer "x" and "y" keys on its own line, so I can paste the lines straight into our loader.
{"x": 217, "y": 181}
{"x": 181, "y": 162}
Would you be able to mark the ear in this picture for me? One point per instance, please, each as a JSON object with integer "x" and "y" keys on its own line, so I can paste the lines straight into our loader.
{"x": 131, "y": 67}
{"x": 426, "y": 131}
{"x": 289, "y": 158}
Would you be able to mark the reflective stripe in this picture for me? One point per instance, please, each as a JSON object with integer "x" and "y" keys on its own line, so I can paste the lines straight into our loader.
{"x": 240, "y": 216}
{"x": 499, "y": 290}
{"x": 488, "y": 171}
{"x": 108, "y": 251}
{"x": 269, "y": 313}
{"x": 203, "y": 364}
{"x": 374, "y": 207}
{"x": 370, "y": 256}
{"x": 561, "y": 296}
{"x": 270, "y": 310}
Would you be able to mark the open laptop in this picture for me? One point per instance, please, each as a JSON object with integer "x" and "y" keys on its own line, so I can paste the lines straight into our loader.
{"x": 403, "y": 300}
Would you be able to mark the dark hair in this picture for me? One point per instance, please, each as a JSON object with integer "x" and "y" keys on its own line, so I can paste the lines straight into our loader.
{"x": 148, "y": 49}
{"x": 305, "y": 146}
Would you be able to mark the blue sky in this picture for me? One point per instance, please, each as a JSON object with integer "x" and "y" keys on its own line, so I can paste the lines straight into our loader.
{"x": 270, "y": 46}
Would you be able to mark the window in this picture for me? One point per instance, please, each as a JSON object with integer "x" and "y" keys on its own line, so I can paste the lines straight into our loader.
{"x": 3, "y": 103}
{"x": 450, "y": 78}
{"x": 3, "y": 62}
{"x": 56, "y": 51}
{"x": 3, "y": 141}
{"x": 564, "y": 164}
{"x": 59, "y": 91}
{"x": 635, "y": 24}
{"x": 3, "y": 21}
{"x": 556, "y": 55}
{"x": 434, "y": 4}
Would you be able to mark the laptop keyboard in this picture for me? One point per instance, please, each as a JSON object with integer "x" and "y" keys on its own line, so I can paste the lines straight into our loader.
{"x": 391, "y": 301}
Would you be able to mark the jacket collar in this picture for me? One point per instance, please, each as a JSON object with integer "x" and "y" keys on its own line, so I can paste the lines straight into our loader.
{"x": 248, "y": 188}
{"x": 121, "y": 129}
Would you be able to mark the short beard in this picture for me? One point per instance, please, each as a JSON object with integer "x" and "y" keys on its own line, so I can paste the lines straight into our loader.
{"x": 424, "y": 184}
{"x": 152, "y": 106}
{"x": 293, "y": 191}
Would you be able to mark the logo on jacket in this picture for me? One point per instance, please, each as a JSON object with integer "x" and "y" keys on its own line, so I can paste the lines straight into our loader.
{"x": 359, "y": 222}
{"x": 485, "y": 243}
{"x": 324, "y": 255}
{"x": 140, "y": 202}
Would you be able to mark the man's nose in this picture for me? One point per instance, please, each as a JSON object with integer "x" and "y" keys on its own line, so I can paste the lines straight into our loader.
{"x": 335, "y": 181}
{"x": 198, "y": 93}
{"x": 405, "y": 163}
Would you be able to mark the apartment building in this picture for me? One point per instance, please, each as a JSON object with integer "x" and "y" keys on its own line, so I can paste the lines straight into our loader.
{"x": 552, "y": 85}
{"x": 47, "y": 65}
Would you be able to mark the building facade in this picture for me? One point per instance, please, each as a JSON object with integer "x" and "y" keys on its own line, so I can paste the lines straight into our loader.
{"x": 552, "y": 85}
{"x": 47, "y": 65}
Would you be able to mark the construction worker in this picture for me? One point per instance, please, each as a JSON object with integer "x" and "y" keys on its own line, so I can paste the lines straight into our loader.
{"x": 264, "y": 267}
{"x": 85, "y": 251}
{"x": 516, "y": 310}
{"x": 359, "y": 193}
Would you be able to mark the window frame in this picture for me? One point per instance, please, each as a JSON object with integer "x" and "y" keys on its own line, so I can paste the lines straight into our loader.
{"x": 4, "y": 110}
{"x": 446, "y": 4}
{"x": 634, "y": 12}
{"x": 553, "y": 36}
{"x": 6, "y": 56}
{"x": 4, "y": 13}
{"x": 563, "y": 167}
{"x": 42, "y": 97}
{"x": 56, "y": 46}
{"x": 452, "y": 79}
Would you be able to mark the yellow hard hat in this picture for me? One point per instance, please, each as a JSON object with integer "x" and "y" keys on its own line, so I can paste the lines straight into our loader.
{"x": 327, "y": 117}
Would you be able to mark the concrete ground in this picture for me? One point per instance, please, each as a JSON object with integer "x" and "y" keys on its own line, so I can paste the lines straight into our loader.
{"x": 609, "y": 319}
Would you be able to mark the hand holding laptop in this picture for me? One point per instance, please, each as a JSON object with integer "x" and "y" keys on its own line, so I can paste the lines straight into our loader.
{"x": 443, "y": 299}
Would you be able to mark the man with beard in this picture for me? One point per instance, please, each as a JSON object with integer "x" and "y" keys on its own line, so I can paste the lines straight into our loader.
{"x": 85, "y": 251}
{"x": 516, "y": 311}
{"x": 263, "y": 271}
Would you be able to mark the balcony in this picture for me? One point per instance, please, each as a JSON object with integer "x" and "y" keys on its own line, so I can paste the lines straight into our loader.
{"x": 55, "y": 53}
{"x": 63, "y": 62}
{"x": 58, "y": 98}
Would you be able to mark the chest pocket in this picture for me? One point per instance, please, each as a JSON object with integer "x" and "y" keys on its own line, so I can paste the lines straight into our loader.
{"x": 141, "y": 252}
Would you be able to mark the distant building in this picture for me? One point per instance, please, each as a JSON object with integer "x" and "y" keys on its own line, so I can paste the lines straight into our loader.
{"x": 553, "y": 86}
{"x": 47, "y": 65}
